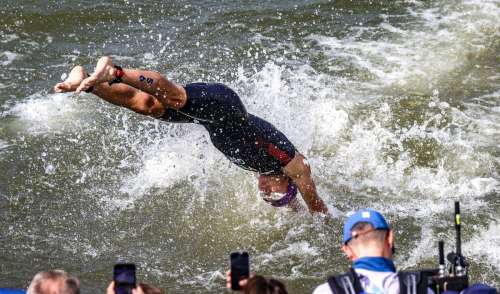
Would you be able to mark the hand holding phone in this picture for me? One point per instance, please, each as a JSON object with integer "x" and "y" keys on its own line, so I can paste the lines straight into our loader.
{"x": 124, "y": 278}
{"x": 240, "y": 268}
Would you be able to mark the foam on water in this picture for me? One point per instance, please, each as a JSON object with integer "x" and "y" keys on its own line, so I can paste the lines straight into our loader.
{"x": 7, "y": 57}
{"x": 484, "y": 246}
{"x": 366, "y": 159}
{"x": 41, "y": 113}
{"x": 169, "y": 161}
{"x": 6, "y": 38}
{"x": 3, "y": 146}
{"x": 302, "y": 248}
{"x": 416, "y": 58}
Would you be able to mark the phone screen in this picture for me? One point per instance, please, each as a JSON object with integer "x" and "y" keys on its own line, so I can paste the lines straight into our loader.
{"x": 124, "y": 277}
{"x": 240, "y": 268}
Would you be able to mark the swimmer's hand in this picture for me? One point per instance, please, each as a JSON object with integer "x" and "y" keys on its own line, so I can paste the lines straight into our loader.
{"x": 104, "y": 72}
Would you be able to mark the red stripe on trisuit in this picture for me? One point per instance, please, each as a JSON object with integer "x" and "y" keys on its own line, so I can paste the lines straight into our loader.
{"x": 279, "y": 154}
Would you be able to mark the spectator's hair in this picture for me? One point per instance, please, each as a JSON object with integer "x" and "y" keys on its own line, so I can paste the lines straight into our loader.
{"x": 150, "y": 289}
{"x": 364, "y": 232}
{"x": 260, "y": 285}
{"x": 70, "y": 285}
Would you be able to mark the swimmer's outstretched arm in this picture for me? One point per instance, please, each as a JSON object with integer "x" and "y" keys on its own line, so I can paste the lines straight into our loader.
{"x": 168, "y": 93}
{"x": 300, "y": 173}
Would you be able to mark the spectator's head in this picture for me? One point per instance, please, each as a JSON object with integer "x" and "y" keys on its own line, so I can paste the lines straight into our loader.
{"x": 140, "y": 289}
{"x": 367, "y": 234}
{"x": 54, "y": 282}
{"x": 260, "y": 285}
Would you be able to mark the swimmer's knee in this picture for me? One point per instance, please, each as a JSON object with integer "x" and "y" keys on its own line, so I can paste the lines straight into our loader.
{"x": 176, "y": 99}
{"x": 147, "y": 105}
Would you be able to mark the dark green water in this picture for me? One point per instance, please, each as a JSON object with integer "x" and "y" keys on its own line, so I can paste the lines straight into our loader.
{"x": 395, "y": 104}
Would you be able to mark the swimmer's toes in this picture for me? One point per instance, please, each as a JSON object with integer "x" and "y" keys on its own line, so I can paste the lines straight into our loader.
{"x": 63, "y": 87}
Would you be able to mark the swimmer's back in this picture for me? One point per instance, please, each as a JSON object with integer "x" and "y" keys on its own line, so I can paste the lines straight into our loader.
{"x": 245, "y": 139}
{"x": 209, "y": 104}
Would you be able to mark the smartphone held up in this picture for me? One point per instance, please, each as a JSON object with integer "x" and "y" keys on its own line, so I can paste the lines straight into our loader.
{"x": 124, "y": 278}
{"x": 240, "y": 268}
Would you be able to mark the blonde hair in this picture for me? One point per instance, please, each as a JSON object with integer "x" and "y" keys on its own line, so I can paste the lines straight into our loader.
{"x": 70, "y": 285}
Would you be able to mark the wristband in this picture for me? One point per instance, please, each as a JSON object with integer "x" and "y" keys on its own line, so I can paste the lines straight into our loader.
{"x": 118, "y": 75}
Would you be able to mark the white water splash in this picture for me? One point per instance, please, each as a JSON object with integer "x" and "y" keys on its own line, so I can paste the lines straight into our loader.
{"x": 484, "y": 246}
{"x": 40, "y": 114}
{"x": 3, "y": 144}
{"x": 300, "y": 249}
{"x": 170, "y": 162}
{"x": 6, "y": 38}
{"x": 417, "y": 57}
{"x": 7, "y": 57}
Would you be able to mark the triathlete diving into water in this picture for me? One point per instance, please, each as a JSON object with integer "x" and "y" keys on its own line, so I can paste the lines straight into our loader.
{"x": 245, "y": 139}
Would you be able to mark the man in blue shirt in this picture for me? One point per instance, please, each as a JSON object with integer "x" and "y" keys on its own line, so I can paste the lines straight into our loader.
{"x": 368, "y": 242}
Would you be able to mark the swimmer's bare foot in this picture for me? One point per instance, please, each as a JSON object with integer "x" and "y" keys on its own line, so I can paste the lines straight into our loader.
{"x": 104, "y": 72}
{"x": 76, "y": 76}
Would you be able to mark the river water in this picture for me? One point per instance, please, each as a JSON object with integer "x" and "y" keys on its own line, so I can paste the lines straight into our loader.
{"x": 395, "y": 104}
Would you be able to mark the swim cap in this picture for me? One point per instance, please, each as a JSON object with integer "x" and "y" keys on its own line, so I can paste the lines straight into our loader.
{"x": 290, "y": 194}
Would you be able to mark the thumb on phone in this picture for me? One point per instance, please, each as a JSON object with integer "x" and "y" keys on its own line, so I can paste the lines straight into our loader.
{"x": 111, "y": 288}
{"x": 137, "y": 290}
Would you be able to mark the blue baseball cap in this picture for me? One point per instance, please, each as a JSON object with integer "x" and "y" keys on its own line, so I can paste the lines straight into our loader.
{"x": 370, "y": 216}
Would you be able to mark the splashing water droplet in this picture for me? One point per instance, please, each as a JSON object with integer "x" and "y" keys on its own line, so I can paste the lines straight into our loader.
{"x": 50, "y": 169}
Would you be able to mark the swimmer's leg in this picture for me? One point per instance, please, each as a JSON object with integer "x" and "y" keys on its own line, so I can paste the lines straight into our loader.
{"x": 118, "y": 94}
{"x": 166, "y": 92}
{"x": 208, "y": 103}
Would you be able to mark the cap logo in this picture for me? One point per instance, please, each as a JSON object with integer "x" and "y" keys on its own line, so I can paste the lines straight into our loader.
{"x": 365, "y": 214}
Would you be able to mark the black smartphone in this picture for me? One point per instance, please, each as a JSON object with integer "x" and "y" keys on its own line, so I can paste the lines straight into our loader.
{"x": 240, "y": 268}
{"x": 124, "y": 277}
